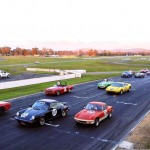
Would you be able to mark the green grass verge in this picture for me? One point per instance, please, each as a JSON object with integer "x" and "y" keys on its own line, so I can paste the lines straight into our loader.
{"x": 26, "y": 90}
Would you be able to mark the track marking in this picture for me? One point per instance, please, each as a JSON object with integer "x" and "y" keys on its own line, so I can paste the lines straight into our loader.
{"x": 127, "y": 103}
{"x": 79, "y": 97}
{"x": 52, "y": 125}
{"x": 13, "y": 119}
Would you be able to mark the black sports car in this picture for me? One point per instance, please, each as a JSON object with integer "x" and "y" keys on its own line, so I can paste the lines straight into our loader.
{"x": 139, "y": 75}
{"x": 41, "y": 111}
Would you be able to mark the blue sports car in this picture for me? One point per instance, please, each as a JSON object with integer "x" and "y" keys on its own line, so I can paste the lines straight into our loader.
{"x": 42, "y": 111}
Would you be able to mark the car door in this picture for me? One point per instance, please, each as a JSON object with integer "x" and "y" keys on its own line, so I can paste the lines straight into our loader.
{"x": 101, "y": 113}
{"x": 52, "y": 111}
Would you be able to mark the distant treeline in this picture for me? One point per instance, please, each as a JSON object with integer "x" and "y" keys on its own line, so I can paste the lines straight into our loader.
{"x": 7, "y": 51}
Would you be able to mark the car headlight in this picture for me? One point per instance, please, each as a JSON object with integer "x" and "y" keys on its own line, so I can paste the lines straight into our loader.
{"x": 17, "y": 114}
{"x": 33, "y": 117}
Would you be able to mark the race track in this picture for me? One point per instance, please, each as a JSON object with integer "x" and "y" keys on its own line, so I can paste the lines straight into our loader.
{"x": 64, "y": 134}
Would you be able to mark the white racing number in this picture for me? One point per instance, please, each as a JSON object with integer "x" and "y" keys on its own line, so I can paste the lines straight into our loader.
{"x": 65, "y": 89}
{"x": 54, "y": 112}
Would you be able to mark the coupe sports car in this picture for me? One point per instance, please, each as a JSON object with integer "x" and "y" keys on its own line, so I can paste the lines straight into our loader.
{"x": 145, "y": 70}
{"x": 126, "y": 74}
{"x": 4, "y": 106}
{"x": 42, "y": 111}
{"x": 60, "y": 88}
{"x": 105, "y": 83}
{"x": 93, "y": 113}
{"x": 118, "y": 87}
{"x": 148, "y": 73}
{"x": 139, "y": 75}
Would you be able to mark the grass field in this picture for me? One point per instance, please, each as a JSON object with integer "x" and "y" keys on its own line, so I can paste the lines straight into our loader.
{"x": 18, "y": 65}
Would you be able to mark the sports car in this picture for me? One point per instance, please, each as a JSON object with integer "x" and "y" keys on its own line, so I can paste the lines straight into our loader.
{"x": 60, "y": 88}
{"x": 42, "y": 111}
{"x": 139, "y": 75}
{"x": 105, "y": 83}
{"x": 148, "y": 73}
{"x": 145, "y": 70}
{"x": 126, "y": 74}
{"x": 93, "y": 113}
{"x": 118, "y": 87}
{"x": 4, "y": 106}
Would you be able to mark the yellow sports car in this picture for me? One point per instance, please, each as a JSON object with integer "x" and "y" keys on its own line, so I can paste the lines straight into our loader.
{"x": 118, "y": 87}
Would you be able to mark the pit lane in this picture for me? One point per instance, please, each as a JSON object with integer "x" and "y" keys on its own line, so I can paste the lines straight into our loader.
{"x": 64, "y": 134}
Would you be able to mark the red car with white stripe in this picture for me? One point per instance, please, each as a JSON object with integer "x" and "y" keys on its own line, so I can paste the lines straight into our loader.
{"x": 93, "y": 113}
{"x": 4, "y": 106}
{"x": 59, "y": 88}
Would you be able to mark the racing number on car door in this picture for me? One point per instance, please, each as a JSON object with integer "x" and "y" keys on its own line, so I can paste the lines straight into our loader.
{"x": 65, "y": 89}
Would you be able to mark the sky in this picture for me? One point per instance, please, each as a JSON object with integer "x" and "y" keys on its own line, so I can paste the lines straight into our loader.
{"x": 75, "y": 23}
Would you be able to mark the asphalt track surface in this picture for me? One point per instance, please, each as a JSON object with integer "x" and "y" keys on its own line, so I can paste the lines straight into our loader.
{"x": 64, "y": 133}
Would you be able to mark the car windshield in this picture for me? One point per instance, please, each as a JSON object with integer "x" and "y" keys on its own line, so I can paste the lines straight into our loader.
{"x": 117, "y": 84}
{"x": 90, "y": 106}
{"x": 40, "y": 105}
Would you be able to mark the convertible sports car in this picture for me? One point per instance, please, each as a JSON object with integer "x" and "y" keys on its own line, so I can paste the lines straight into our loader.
{"x": 58, "y": 89}
{"x": 145, "y": 70}
{"x": 118, "y": 87}
{"x": 126, "y": 74}
{"x": 105, "y": 83}
{"x": 42, "y": 111}
{"x": 4, "y": 106}
{"x": 93, "y": 113}
{"x": 139, "y": 75}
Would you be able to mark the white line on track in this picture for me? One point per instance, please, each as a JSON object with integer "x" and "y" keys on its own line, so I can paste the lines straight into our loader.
{"x": 127, "y": 103}
{"x": 52, "y": 125}
{"x": 79, "y": 97}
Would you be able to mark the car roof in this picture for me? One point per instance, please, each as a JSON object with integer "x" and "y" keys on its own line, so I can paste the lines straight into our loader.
{"x": 99, "y": 103}
{"x": 48, "y": 100}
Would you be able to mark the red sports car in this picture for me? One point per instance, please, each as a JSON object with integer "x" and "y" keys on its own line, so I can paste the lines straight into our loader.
{"x": 58, "y": 89}
{"x": 4, "y": 106}
{"x": 93, "y": 113}
{"x": 145, "y": 70}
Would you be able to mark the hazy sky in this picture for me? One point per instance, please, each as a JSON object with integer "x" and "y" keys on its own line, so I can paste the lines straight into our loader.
{"x": 126, "y": 21}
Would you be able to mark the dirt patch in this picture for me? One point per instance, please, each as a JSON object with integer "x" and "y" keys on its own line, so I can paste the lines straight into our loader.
{"x": 140, "y": 136}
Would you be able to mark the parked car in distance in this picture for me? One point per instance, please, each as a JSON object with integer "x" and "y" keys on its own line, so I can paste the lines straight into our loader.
{"x": 4, "y": 106}
{"x": 145, "y": 70}
{"x": 42, "y": 111}
{"x": 60, "y": 88}
{"x": 139, "y": 75}
{"x": 105, "y": 83}
{"x": 118, "y": 87}
{"x": 93, "y": 113}
{"x": 4, "y": 74}
{"x": 126, "y": 74}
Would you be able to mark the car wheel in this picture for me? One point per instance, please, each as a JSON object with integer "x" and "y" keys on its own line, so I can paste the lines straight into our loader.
{"x": 63, "y": 113}
{"x": 98, "y": 87}
{"x": 96, "y": 123}
{"x": 58, "y": 93}
{"x": 2, "y": 109}
{"x": 121, "y": 92}
{"x": 110, "y": 115}
{"x": 69, "y": 90}
{"x": 8, "y": 76}
{"x": 129, "y": 89}
{"x": 41, "y": 121}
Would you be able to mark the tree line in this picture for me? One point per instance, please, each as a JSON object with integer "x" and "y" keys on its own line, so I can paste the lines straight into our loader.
{"x": 7, "y": 51}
